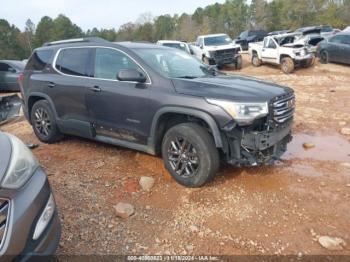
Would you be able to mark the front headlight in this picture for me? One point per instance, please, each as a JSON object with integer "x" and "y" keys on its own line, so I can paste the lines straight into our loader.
{"x": 244, "y": 113}
{"x": 210, "y": 54}
{"x": 22, "y": 165}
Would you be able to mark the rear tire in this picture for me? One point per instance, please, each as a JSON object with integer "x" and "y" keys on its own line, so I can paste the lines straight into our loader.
{"x": 287, "y": 65}
{"x": 44, "y": 122}
{"x": 190, "y": 155}
{"x": 256, "y": 61}
{"x": 324, "y": 57}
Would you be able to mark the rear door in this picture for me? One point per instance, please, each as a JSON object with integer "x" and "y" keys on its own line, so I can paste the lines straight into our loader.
{"x": 118, "y": 109}
{"x": 346, "y": 49}
{"x": 67, "y": 88}
{"x": 335, "y": 48}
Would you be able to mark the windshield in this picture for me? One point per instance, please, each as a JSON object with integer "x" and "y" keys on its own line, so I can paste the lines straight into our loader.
{"x": 173, "y": 63}
{"x": 217, "y": 40}
{"x": 176, "y": 45}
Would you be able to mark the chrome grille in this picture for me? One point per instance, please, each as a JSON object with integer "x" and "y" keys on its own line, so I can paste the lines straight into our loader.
{"x": 4, "y": 212}
{"x": 283, "y": 108}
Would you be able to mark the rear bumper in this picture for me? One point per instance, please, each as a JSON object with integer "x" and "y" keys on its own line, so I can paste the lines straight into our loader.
{"x": 306, "y": 58}
{"x": 257, "y": 147}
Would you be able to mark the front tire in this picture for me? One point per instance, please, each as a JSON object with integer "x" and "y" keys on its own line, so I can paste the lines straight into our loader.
{"x": 239, "y": 62}
{"x": 287, "y": 65}
{"x": 44, "y": 123}
{"x": 256, "y": 61}
{"x": 190, "y": 155}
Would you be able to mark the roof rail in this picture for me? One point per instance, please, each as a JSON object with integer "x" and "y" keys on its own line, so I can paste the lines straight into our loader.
{"x": 76, "y": 40}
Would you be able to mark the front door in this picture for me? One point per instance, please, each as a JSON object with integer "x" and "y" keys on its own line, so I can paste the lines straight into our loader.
{"x": 269, "y": 52}
{"x": 8, "y": 77}
{"x": 118, "y": 109}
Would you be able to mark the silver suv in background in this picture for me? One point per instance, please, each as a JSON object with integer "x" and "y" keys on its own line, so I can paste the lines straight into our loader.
{"x": 9, "y": 73}
{"x": 29, "y": 223}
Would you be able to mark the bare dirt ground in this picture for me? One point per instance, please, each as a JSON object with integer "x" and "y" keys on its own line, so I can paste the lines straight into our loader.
{"x": 268, "y": 210}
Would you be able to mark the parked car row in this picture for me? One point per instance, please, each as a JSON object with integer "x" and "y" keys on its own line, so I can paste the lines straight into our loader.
{"x": 285, "y": 48}
{"x": 298, "y": 49}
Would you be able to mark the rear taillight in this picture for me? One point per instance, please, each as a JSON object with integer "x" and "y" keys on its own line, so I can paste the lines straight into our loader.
{"x": 20, "y": 81}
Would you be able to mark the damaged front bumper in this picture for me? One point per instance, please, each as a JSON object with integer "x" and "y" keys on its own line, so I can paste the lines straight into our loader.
{"x": 226, "y": 59}
{"x": 9, "y": 108}
{"x": 257, "y": 147}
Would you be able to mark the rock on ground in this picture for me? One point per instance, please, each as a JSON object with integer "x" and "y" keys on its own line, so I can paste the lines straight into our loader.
{"x": 146, "y": 182}
{"x": 345, "y": 131}
{"x": 308, "y": 145}
{"x": 331, "y": 243}
{"x": 124, "y": 210}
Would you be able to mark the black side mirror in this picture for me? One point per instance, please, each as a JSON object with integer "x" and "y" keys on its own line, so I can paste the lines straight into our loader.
{"x": 201, "y": 46}
{"x": 131, "y": 75}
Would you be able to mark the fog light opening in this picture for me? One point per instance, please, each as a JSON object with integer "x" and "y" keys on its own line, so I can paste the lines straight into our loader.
{"x": 45, "y": 218}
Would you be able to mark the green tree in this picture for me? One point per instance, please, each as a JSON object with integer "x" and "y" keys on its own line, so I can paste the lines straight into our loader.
{"x": 164, "y": 27}
{"x": 10, "y": 44}
{"x": 44, "y": 31}
{"x": 63, "y": 28}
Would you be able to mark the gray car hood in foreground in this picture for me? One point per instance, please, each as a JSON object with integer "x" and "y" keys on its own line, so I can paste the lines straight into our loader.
{"x": 5, "y": 155}
{"x": 235, "y": 88}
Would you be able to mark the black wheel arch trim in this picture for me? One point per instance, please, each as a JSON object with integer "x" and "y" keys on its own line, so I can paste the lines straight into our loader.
{"x": 186, "y": 111}
{"x": 45, "y": 97}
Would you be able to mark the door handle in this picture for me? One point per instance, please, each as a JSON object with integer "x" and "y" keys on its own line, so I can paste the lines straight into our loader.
{"x": 51, "y": 84}
{"x": 95, "y": 89}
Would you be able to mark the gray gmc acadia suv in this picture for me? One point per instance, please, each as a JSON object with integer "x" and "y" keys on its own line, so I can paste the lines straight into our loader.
{"x": 158, "y": 100}
{"x": 29, "y": 224}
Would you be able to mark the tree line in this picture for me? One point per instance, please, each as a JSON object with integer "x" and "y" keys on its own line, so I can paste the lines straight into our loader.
{"x": 231, "y": 17}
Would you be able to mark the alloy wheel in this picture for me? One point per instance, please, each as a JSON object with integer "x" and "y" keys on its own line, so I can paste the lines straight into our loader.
{"x": 183, "y": 157}
{"x": 42, "y": 121}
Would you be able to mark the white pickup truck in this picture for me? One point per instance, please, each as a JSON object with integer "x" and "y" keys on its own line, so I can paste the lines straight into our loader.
{"x": 217, "y": 49}
{"x": 281, "y": 50}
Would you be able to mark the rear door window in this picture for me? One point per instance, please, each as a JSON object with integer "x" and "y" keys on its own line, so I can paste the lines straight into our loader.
{"x": 4, "y": 67}
{"x": 74, "y": 61}
{"x": 39, "y": 60}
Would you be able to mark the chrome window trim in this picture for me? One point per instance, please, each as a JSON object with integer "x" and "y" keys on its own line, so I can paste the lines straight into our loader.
{"x": 7, "y": 222}
{"x": 148, "y": 82}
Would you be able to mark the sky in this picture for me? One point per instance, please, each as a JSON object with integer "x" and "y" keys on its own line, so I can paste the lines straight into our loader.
{"x": 95, "y": 13}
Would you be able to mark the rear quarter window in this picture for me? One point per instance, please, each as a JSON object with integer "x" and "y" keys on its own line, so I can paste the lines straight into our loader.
{"x": 74, "y": 61}
{"x": 39, "y": 60}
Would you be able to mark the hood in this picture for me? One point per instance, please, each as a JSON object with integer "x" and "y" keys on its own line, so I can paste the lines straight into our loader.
{"x": 221, "y": 47}
{"x": 297, "y": 45}
{"x": 235, "y": 88}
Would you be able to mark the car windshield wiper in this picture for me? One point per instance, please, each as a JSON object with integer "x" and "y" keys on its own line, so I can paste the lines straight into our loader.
{"x": 188, "y": 77}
